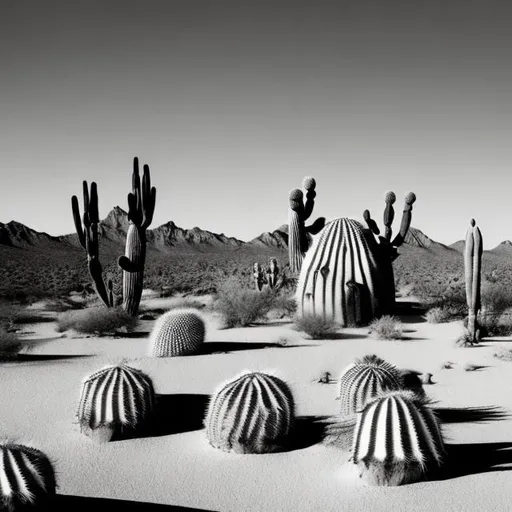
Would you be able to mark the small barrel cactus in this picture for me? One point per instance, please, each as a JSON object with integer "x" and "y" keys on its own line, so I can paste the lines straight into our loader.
{"x": 252, "y": 414}
{"x": 27, "y": 477}
{"x": 115, "y": 401}
{"x": 397, "y": 439}
{"x": 363, "y": 380}
{"x": 178, "y": 332}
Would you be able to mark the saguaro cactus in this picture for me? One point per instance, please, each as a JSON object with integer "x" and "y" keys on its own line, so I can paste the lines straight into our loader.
{"x": 339, "y": 258}
{"x": 177, "y": 333}
{"x": 258, "y": 277}
{"x": 88, "y": 238}
{"x": 115, "y": 400}
{"x": 473, "y": 270}
{"x": 272, "y": 273}
{"x": 141, "y": 206}
{"x": 363, "y": 380}
{"x": 26, "y": 478}
{"x": 251, "y": 414}
{"x": 397, "y": 439}
{"x": 388, "y": 247}
{"x": 298, "y": 234}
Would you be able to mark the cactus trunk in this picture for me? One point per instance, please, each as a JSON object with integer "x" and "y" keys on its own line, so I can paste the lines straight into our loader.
{"x": 472, "y": 269}
{"x": 132, "y": 280}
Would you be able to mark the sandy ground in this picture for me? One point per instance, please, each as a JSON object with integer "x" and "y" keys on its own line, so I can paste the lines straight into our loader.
{"x": 40, "y": 395}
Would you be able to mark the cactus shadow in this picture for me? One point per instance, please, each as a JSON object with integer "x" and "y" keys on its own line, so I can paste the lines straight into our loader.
{"x": 175, "y": 414}
{"x": 410, "y": 312}
{"x": 68, "y": 502}
{"x": 470, "y": 414}
{"x": 473, "y": 459}
{"x": 216, "y": 347}
{"x": 307, "y": 431}
{"x": 35, "y": 358}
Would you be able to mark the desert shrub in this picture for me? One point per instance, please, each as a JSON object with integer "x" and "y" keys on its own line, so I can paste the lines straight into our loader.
{"x": 9, "y": 311}
{"x": 386, "y": 327}
{"x": 98, "y": 320}
{"x": 316, "y": 327}
{"x": 10, "y": 344}
{"x": 64, "y": 304}
{"x": 284, "y": 305}
{"x": 241, "y": 306}
{"x": 438, "y": 315}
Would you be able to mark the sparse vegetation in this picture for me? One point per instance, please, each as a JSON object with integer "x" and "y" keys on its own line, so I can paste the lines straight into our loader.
{"x": 387, "y": 327}
{"x": 438, "y": 315}
{"x": 504, "y": 354}
{"x": 10, "y": 343}
{"x": 97, "y": 320}
{"x": 316, "y": 327}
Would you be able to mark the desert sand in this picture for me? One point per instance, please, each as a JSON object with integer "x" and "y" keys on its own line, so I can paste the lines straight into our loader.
{"x": 176, "y": 465}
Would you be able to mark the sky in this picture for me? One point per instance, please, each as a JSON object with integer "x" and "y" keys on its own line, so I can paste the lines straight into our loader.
{"x": 232, "y": 103}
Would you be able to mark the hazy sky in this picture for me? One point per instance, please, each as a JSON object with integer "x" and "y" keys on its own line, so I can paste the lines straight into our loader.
{"x": 231, "y": 103}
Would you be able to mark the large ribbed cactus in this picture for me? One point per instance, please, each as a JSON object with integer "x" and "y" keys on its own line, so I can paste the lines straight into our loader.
{"x": 141, "y": 206}
{"x": 272, "y": 273}
{"x": 397, "y": 439}
{"x": 363, "y": 380}
{"x": 179, "y": 332}
{"x": 299, "y": 238}
{"x": 252, "y": 414}
{"x": 473, "y": 270}
{"x": 388, "y": 247}
{"x": 27, "y": 478}
{"x": 258, "y": 277}
{"x": 114, "y": 401}
{"x": 339, "y": 278}
{"x": 88, "y": 238}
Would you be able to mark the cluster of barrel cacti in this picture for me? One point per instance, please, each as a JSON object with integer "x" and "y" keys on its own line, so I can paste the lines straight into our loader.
{"x": 141, "y": 206}
{"x": 266, "y": 278}
{"x": 178, "y": 332}
{"x": 473, "y": 270}
{"x": 346, "y": 273}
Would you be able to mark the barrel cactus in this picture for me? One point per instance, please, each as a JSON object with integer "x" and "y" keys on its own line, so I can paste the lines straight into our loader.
{"x": 397, "y": 439}
{"x": 27, "y": 478}
{"x": 179, "y": 332}
{"x": 252, "y": 414}
{"x": 117, "y": 400}
{"x": 473, "y": 271}
{"x": 365, "y": 379}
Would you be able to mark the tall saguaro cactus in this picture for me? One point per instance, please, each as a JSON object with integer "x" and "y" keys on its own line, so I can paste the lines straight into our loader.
{"x": 298, "y": 213}
{"x": 473, "y": 270}
{"x": 88, "y": 238}
{"x": 141, "y": 206}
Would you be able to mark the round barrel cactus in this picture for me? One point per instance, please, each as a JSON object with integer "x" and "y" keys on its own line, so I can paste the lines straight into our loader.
{"x": 363, "y": 380}
{"x": 27, "y": 477}
{"x": 252, "y": 414}
{"x": 117, "y": 400}
{"x": 397, "y": 439}
{"x": 178, "y": 332}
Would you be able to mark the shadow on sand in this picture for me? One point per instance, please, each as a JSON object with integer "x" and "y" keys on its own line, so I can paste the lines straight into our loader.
{"x": 470, "y": 414}
{"x": 308, "y": 431}
{"x": 66, "y": 503}
{"x": 22, "y": 358}
{"x": 222, "y": 347}
{"x": 410, "y": 312}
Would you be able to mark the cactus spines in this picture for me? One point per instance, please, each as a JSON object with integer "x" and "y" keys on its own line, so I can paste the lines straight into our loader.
{"x": 178, "y": 332}
{"x": 115, "y": 401}
{"x": 298, "y": 213}
{"x": 141, "y": 207}
{"x": 27, "y": 478}
{"x": 397, "y": 439}
{"x": 258, "y": 277}
{"x": 272, "y": 273}
{"x": 338, "y": 256}
{"x": 88, "y": 238}
{"x": 363, "y": 380}
{"x": 473, "y": 269}
{"x": 253, "y": 413}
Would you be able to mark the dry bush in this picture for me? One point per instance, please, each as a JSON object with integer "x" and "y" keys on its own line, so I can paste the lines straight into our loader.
{"x": 438, "y": 315}
{"x": 316, "y": 327}
{"x": 241, "y": 306}
{"x": 10, "y": 344}
{"x": 97, "y": 320}
{"x": 387, "y": 328}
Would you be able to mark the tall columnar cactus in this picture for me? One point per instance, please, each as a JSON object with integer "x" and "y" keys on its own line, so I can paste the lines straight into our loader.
{"x": 27, "y": 478}
{"x": 272, "y": 273}
{"x": 258, "y": 277}
{"x": 473, "y": 270}
{"x": 178, "y": 332}
{"x": 365, "y": 379}
{"x": 141, "y": 206}
{"x": 252, "y": 414}
{"x": 339, "y": 275}
{"x": 88, "y": 238}
{"x": 298, "y": 234}
{"x": 388, "y": 246}
{"x": 115, "y": 400}
{"x": 397, "y": 439}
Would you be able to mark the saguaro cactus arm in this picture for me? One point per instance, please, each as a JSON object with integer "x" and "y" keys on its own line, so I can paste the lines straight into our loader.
{"x": 88, "y": 238}
{"x": 410, "y": 198}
